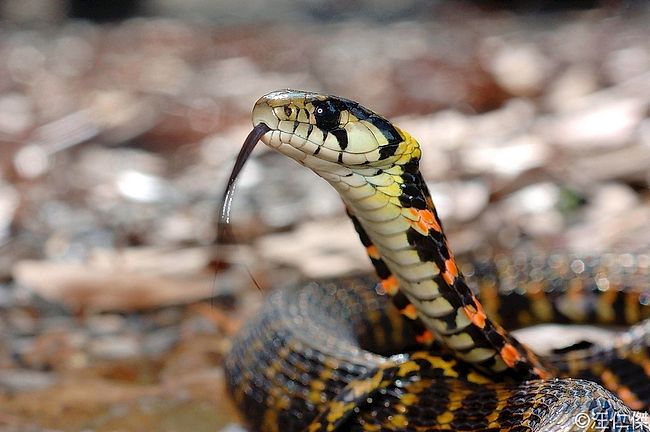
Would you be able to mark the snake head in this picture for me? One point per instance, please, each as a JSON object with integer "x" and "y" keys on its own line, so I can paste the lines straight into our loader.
{"x": 319, "y": 130}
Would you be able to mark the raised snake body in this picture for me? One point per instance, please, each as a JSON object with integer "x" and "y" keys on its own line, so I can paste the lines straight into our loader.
{"x": 311, "y": 359}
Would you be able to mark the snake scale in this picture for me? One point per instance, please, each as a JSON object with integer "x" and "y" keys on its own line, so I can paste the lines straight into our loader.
{"x": 417, "y": 351}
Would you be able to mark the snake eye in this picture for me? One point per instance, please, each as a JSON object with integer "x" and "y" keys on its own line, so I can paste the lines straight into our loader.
{"x": 327, "y": 115}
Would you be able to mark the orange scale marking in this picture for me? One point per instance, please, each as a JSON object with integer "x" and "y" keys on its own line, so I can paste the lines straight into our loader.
{"x": 390, "y": 285}
{"x": 410, "y": 311}
{"x": 426, "y": 337}
{"x": 510, "y": 355}
{"x": 423, "y": 221}
{"x": 429, "y": 219}
{"x": 373, "y": 252}
{"x": 451, "y": 271}
{"x": 475, "y": 313}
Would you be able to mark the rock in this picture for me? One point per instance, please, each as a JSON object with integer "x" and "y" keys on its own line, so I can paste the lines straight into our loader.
{"x": 644, "y": 134}
{"x": 140, "y": 187}
{"x": 32, "y": 161}
{"x": 536, "y": 198}
{"x": 7, "y": 298}
{"x": 117, "y": 347}
{"x": 438, "y": 134}
{"x": 459, "y": 201}
{"x": 610, "y": 124}
{"x": 105, "y": 324}
{"x": 287, "y": 193}
{"x": 626, "y": 63}
{"x": 199, "y": 324}
{"x": 166, "y": 74}
{"x": 56, "y": 348}
{"x": 443, "y": 130}
{"x": 193, "y": 225}
{"x": 319, "y": 249}
{"x": 20, "y": 380}
{"x": 547, "y": 337}
{"x": 240, "y": 80}
{"x": 628, "y": 163}
{"x": 570, "y": 87}
{"x": 220, "y": 148}
{"x": 514, "y": 118}
{"x": 520, "y": 68}
{"x": 130, "y": 280}
{"x": 160, "y": 341}
{"x": 99, "y": 165}
{"x": 21, "y": 322}
{"x": 509, "y": 158}
{"x": 613, "y": 212}
{"x": 16, "y": 114}
{"x": 121, "y": 115}
{"x": 535, "y": 209}
{"x": 611, "y": 200}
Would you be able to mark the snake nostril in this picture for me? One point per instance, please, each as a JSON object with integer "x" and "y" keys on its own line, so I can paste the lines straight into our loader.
{"x": 288, "y": 111}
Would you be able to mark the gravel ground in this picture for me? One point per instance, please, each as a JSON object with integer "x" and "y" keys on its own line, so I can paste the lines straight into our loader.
{"x": 115, "y": 142}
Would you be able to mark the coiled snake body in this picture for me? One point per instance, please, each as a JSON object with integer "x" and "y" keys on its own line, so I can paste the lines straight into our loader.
{"x": 339, "y": 356}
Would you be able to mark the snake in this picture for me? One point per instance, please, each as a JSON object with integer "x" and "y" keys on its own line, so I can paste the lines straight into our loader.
{"x": 422, "y": 346}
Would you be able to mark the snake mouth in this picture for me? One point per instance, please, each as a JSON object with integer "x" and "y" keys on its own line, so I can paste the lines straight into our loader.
{"x": 294, "y": 137}
{"x": 250, "y": 142}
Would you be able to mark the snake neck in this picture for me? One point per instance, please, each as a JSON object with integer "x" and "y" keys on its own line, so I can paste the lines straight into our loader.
{"x": 397, "y": 220}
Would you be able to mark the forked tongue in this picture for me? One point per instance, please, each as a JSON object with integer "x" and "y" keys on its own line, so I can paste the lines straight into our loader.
{"x": 224, "y": 234}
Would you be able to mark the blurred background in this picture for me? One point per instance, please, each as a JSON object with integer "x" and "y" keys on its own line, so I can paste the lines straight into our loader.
{"x": 120, "y": 121}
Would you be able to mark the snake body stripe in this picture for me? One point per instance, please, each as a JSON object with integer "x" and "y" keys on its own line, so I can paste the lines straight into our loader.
{"x": 280, "y": 365}
{"x": 302, "y": 365}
